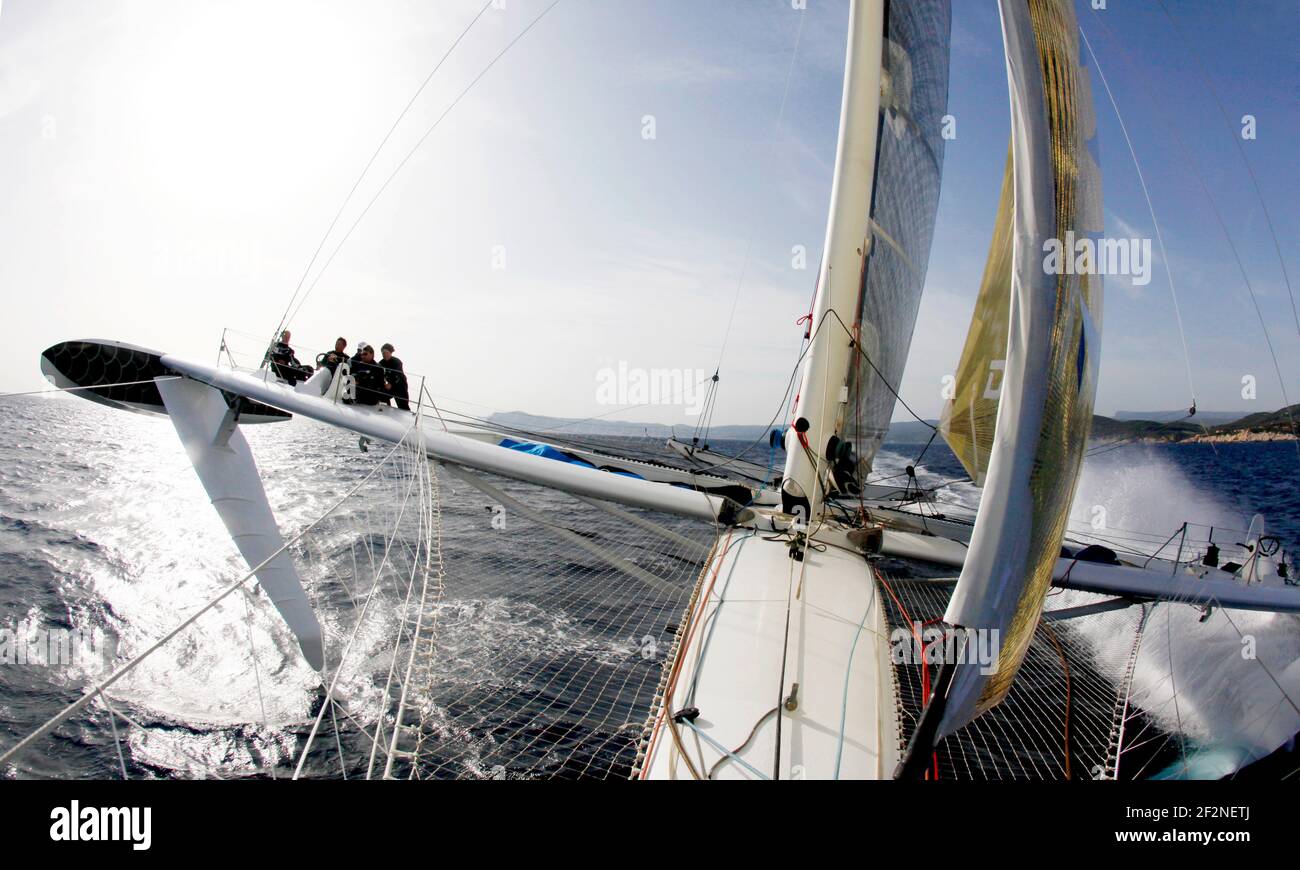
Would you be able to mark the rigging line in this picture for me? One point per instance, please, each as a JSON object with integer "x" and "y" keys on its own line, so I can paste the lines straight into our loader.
{"x": 428, "y": 522}
{"x": 794, "y": 372}
{"x": 749, "y": 247}
{"x": 1151, "y": 209}
{"x": 1107, "y": 446}
{"x": 92, "y": 387}
{"x": 858, "y": 347}
{"x": 257, "y": 676}
{"x": 1173, "y": 687}
{"x": 392, "y": 667}
{"x": 848, "y": 670}
{"x": 58, "y": 718}
{"x": 753, "y": 231}
{"x": 117, "y": 741}
{"x": 1065, "y": 669}
{"x": 427, "y": 133}
{"x": 338, "y": 741}
{"x": 1214, "y": 207}
{"x": 1226, "y": 615}
{"x": 684, "y": 638}
{"x": 789, "y": 388}
{"x": 706, "y": 413}
{"x": 785, "y": 656}
{"x": 1268, "y": 219}
{"x": 366, "y": 169}
{"x": 388, "y": 684}
{"x": 329, "y": 700}
{"x": 711, "y": 621}
{"x": 735, "y": 753}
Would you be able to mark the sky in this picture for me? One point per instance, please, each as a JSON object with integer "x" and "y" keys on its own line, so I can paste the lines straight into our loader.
{"x": 167, "y": 170}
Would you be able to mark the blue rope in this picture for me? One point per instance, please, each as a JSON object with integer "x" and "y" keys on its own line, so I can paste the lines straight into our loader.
{"x": 725, "y": 751}
{"x": 844, "y": 707}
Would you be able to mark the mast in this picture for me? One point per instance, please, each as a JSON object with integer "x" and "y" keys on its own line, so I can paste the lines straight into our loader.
{"x": 823, "y": 390}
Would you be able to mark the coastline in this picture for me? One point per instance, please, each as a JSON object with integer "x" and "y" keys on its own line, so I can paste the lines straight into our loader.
{"x": 1240, "y": 437}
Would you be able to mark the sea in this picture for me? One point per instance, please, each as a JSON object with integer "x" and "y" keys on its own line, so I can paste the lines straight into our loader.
{"x": 105, "y": 528}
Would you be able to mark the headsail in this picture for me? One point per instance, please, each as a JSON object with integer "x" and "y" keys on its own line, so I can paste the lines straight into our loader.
{"x": 970, "y": 416}
{"x": 1050, "y": 379}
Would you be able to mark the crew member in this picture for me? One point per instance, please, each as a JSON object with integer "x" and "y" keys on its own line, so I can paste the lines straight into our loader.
{"x": 285, "y": 363}
{"x": 339, "y": 354}
{"x": 396, "y": 377}
{"x": 372, "y": 388}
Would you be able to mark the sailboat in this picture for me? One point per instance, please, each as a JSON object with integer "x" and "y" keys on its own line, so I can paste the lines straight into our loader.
{"x": 790, "y": 656}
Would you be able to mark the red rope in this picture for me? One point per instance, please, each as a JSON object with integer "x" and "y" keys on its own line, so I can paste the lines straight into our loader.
{"x": 925, "y": 667}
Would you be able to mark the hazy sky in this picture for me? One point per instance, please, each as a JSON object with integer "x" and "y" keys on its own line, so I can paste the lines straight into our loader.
{"x": 168, "y": 168}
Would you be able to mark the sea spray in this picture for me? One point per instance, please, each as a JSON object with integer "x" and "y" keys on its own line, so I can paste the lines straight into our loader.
{"x": 1210, "y": 678}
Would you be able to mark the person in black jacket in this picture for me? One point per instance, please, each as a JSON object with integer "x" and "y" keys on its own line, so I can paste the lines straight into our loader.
{"x": 339, "y": 354}
{"x": 285, "y": 363}
{"x": 372, "y": 387}
{"x": 396, "y": 377}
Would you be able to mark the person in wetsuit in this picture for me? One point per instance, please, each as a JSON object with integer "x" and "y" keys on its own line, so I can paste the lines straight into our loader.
{"x": 285, "y": 363}
{"x": 339, "y": 354}
{"x": 396, "y": 377}
{"x": 372, "y": 387}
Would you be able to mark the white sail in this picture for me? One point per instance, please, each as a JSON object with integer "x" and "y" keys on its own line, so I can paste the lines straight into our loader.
{"x": 1045, "y": 409}
{"x": 823, "y": 390}
{"x": 905, "y": 202}
{"x": 883, "y": 204}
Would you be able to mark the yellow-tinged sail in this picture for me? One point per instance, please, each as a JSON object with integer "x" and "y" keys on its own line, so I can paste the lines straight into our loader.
{"x": 970, "y": 416}
{"x": 1049, "y": 381}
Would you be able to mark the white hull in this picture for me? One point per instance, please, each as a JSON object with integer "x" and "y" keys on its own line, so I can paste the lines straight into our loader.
{"x": 704, "y": 459}
{"x": 762, "y": 615}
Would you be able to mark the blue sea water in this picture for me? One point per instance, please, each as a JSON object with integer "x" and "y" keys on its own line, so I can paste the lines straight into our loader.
{"x": 103, "y": 524}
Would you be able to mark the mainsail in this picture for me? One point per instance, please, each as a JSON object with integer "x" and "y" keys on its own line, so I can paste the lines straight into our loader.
{"x": 905, "y": 201}
{"x": 883, "y": 206}
{"x": 971, "y": 415}
{"x": 1049, "y": 382}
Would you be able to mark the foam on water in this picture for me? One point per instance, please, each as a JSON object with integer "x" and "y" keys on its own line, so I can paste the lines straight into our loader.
{"x": 1236, "y": 675}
